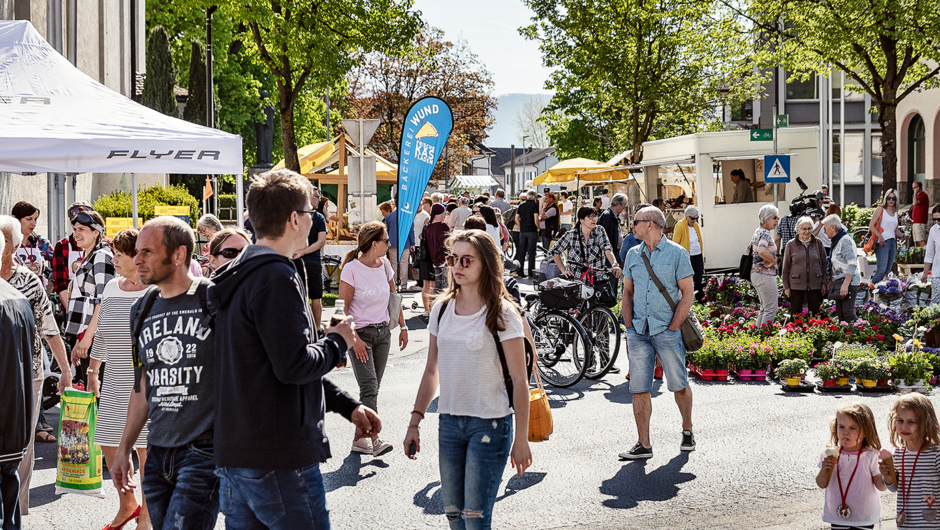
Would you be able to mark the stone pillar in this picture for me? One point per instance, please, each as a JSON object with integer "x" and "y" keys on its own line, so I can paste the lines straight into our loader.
{"x": 932, "y": 187}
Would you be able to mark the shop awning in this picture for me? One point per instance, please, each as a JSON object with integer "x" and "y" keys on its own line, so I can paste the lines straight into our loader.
{"x": 476, "y": 181}
{"x": 567, "y": 170}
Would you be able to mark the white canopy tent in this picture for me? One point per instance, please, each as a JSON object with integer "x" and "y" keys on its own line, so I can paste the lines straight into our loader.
{"x": 56, "y": 119}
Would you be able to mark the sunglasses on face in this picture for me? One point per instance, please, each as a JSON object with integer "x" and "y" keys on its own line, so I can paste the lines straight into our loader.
{"x": 891, "y": 199}
{"x": 228, "y": 253}
{"x": 936, "y": 219}
{"x": 638, "y": 221}
{"x": 694, "y": 218}
{"x": 464, "y": 261}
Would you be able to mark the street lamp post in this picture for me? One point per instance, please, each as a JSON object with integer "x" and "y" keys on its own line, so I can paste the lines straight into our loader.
{"x": 523, "y": 159}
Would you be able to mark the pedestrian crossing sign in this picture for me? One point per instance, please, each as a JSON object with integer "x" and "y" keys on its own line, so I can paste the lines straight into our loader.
{"x": 776, "y": 169}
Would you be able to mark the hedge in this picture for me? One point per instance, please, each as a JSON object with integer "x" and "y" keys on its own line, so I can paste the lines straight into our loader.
{"x": 119, "y": 203}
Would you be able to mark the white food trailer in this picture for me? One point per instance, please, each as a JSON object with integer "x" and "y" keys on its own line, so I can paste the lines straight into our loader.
{"x": 699, "y": 165}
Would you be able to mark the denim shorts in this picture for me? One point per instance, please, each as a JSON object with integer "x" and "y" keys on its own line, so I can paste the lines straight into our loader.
{"x": 642, "y": 352}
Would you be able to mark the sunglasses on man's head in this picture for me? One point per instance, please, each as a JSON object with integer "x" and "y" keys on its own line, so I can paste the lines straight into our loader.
{"x": 75, "y": 210}
{"x": 464, "y": 261}
{"x": 228, "y": 253}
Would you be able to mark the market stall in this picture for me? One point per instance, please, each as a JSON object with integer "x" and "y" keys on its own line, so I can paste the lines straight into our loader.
{"x": 56, "y": 119}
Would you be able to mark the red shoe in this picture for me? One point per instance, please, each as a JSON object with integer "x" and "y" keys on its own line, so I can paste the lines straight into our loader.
{"x": 135, "y": 516}
{"x": 658, "y": 373}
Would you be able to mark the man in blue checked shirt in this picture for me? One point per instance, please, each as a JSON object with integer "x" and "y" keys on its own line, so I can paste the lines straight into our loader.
{"x": 653, "y": 327}
{"x": 401, "y": 268}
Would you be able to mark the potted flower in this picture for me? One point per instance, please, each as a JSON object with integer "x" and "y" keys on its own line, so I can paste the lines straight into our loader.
{"x": 882, "y": 372}
{"x": 911, "y": 369}
{"x": 828, "y": 373}
{"x": 790, "y": 371}
{"x": 867, "y": 371}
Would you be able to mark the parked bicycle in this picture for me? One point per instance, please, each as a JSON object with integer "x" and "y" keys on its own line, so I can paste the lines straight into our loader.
{"x": 562, "y": 346}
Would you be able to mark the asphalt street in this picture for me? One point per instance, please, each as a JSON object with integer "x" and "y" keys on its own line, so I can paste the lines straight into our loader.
{"x": 754, "y": 467}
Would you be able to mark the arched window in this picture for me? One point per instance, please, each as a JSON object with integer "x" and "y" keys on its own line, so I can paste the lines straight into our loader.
{"x": 917, "y": 149}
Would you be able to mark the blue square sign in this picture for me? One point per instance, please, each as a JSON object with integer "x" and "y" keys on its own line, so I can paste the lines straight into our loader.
{"x": 777, "y": 169}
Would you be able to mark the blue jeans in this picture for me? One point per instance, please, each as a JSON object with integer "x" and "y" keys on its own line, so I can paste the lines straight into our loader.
{"x": 10, "y": 518}
{"x": 275, "y": 499}
{"x": 885, "y": 255}
{"x": 180, "y": 486}
{"x": 642, "y": 352}
{"x": 473, "y": 453}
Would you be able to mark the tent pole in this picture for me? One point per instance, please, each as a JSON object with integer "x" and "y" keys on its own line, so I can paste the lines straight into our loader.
{"x": 239, "y": 200}
{"x": 134, "y": 201}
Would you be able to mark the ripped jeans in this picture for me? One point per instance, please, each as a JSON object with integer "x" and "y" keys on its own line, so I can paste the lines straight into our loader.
{"x": 473, "y": 454}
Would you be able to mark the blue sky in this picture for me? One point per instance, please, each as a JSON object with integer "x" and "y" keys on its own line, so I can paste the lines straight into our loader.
{"x": 490, "y": 28}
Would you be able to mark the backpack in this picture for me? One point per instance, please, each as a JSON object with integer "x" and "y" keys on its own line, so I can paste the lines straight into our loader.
{"x": 143, "y": 309}
{"x": 509, "y": 217}
{"x": 507, "y": 379}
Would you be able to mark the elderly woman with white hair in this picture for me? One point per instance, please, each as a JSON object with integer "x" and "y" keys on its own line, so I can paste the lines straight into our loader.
{"x": 763, "y": 249}
{"x": 804, "y": 269}
{"x": 843, "y": 269}
{"x": 689, "y": 235}
{"x": 207, "y": 226}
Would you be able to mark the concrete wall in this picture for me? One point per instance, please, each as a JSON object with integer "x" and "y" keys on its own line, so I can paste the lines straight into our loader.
{"x": 927, "y": 105}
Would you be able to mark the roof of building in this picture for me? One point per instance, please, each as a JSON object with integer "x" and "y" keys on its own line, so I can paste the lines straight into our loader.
{"x": 533, "y": 156}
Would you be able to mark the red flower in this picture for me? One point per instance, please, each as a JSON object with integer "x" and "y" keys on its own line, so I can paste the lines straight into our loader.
{"x": 880, "y": 336}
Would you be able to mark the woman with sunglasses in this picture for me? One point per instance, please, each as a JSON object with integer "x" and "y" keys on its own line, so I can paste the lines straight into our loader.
{"x": 112, "y": 345}
{"x": 66, "y": 256}
{"x": 365, "y": 282}
{"x": 884, "y": 226}
{"x": 932, "y": 257}
{"x": 225, "y": 246}
{"x": 585, "y": 247}
{"x": 689, "y": 235}
{"x": 475, "y": 431}
{"x": 94, "y": 272}
{"x": 764, "y": 270}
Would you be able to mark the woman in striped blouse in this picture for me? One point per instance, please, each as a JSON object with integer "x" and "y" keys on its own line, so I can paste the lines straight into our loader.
{"x": 112, "y": 344}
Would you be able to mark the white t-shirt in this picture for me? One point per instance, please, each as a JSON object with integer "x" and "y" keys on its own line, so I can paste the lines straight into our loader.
{"x": 861, "y": 497}
{"x": 695, "y": 248}
{"x": 605, "y": 202}
{"x": 420, "y": 219}
{"x": 493, "y": 232}
{"x": 889, "y": 223}
{"x": 566, "y": 217}
{"x": 471, "y": 376}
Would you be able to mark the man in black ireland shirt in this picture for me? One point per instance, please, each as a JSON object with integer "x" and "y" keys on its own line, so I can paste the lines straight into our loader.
{"x": 272, "y": 396}
{"x": 175, "y": 357}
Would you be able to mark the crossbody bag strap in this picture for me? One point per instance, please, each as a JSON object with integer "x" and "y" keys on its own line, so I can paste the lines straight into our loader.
{"x": 138, "y": 324}
{"x": 658, "y": 283}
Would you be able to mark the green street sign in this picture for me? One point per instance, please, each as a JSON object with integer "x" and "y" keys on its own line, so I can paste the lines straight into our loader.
{"x": 783, "y": 120}
{"x": 762, "y": 135}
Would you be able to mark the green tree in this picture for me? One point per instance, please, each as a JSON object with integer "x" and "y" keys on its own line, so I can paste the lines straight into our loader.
{"x": 161, "y": 74}
{"x": 312, "y": 44}
{"x": 889, "y": 47}
{"x": 196, "y": 108}
{"x": 627, "y": 71}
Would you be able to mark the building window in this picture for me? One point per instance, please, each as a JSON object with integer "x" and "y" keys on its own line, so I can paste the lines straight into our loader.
{"x": 743, "y": 111}
{"x": 797, "y": 88}
{"x": 916, "y": 154}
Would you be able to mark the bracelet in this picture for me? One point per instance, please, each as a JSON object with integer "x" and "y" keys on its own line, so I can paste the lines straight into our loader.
{"x": 415, "y": 411}
{"x": 95, "y": 371}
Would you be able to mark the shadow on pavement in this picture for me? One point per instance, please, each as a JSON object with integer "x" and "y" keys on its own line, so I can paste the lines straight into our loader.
{"x": 433, "y": 503}
{"x": 633, "y": 484}
{"x": 516, "y": 484}
{"x": 348, "y": 474}
{"x": 42, "y": 495}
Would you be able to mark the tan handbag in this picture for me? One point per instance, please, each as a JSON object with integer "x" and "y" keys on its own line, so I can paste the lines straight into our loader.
{"x": 540, "y": 412}
{"x": 394, "y": 303}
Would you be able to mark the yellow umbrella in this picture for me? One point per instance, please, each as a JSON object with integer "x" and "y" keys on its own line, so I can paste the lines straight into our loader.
{"x": 567, "y": 170}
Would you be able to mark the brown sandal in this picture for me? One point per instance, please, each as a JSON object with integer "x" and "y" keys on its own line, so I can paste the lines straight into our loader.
{"x": 45, "y": 438}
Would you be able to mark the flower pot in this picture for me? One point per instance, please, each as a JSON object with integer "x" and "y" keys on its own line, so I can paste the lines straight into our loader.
{"x": 934, "y": 380}
{"x": 869, "y": 383}
{"x": 760, "y": 375}
{"x": 721, "y": 375}
{"x": 793, "y": 381}
{"x": 829, "y": 382}
{"x": 843, "y": 381}
{"x": 745, "y": 375}
{"x": 882, "y": 382}
{"x": 706, "y": 375}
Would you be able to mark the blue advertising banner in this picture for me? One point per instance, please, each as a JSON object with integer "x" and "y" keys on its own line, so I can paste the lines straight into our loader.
{"x": 423, "y": 136}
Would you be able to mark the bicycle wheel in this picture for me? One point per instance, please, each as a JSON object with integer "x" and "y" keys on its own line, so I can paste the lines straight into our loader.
{"x": 561, "y": 348}
{"x": 603, "y": 331}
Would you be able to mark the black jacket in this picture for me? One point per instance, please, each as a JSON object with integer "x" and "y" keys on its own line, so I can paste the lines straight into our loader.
{"x": 270, "y": 393}
{"x": 610, "y": 221}
{"x": 17, "y": 330}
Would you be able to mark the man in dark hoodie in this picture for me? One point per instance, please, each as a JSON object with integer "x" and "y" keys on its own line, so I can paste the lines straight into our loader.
{"x": 272, "y": 396}
{"x": 17, "y": 329}
{"x": 175, "y": 352}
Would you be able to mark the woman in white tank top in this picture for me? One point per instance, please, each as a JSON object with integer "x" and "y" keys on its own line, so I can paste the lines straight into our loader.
{"x": 884, "y": 225}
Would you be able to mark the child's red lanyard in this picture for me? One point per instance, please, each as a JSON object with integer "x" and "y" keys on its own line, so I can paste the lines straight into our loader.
{"x": 844, "y": 510}
{"x": 905, "y": 494}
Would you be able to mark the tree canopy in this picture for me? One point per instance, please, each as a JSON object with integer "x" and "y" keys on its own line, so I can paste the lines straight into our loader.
{"x": 889, "y": 47}
{"x": 310, "y": 45}
{"x": 627, "y": 71}
{"x": 196, "y": 107}
{"x": 161, "y": 74}
{"x": 385, "y": 85}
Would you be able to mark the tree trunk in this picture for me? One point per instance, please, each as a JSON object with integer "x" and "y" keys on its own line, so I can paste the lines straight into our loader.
{"x": 888, "y": 120}
{"x": 288, "y": 138}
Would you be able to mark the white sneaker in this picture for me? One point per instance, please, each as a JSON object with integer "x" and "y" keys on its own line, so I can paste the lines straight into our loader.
{"x": 380, "y": 447}
{"x": 362, "y": 445}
